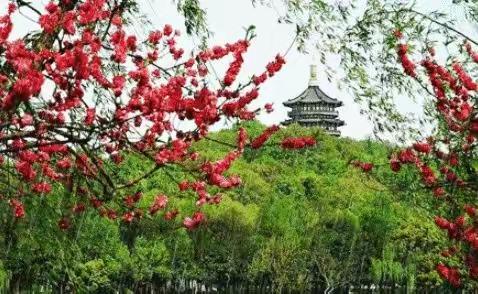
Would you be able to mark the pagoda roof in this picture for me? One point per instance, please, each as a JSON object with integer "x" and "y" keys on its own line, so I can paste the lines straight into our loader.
{"x": 313, "y": 94}
{"x": 336, "y": 121}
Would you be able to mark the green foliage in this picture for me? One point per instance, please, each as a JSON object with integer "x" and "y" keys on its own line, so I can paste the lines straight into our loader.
{"x": 301, "y": 218}
{"x": 194, "y": 16}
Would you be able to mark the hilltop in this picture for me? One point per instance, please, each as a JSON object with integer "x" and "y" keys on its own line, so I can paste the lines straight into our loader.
{"x": 301, "y": 219}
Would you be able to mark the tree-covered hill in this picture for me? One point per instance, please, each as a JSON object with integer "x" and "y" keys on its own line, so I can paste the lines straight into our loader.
{"x": 301, "y": 219}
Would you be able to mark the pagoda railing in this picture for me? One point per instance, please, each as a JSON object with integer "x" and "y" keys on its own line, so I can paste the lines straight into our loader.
{"x": 333, "y": 132}
{"x": 308, "y": 112}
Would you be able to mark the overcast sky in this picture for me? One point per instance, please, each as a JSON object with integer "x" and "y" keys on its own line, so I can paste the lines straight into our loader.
{"x": 227, "y": 18}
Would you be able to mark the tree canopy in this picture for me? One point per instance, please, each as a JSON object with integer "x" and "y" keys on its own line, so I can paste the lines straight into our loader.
{"x": 302, "y": 219}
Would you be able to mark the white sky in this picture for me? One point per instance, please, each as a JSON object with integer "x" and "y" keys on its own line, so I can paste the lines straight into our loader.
{"x": 228, "y": 18}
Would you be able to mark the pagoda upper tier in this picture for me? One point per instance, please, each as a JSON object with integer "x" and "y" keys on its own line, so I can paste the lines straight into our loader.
{"x": 315, "y": 108}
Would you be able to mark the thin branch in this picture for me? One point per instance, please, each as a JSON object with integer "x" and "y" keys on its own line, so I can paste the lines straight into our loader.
{"x": 445, "y": 26}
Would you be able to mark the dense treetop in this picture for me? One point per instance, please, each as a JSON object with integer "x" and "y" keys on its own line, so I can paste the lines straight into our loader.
{"x": 301, "y": 218}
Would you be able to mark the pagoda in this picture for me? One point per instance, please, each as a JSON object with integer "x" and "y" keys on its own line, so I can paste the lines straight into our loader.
{"x": 315, "y": 108}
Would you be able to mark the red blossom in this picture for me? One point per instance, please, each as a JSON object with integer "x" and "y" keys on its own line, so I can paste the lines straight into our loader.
{"x": 95, "y": 202}
{"x": 183, "y": 186}
{"x": 192, "y": 223}
{"x": 169, "y": 215}
{"x": 451, "y": 274}
{"x": 407, "y": 156}
{"x": 88, "y": 118}
{"x": 366, "y": 166}
{"x": 64, "y": 224}
{"x": 470, "y": 210}
{"x": 298, "y": 143}
{"x": 18, "y": 208}
{"x": 439, "y": 192}
{"x": 42, "y": 188}
{"x": 26, "y": 170}
{"x": 395, "y": 164}
{"x": 261, "y": 139}
{"x": 473, "y": 54}
{"x": 407, "y": 64}
{"x": 465, "y": 79}
{"x": 241, "y": 138}
{"x": 422, "y": 147}
{"x": 397, "y": 34}
{"x": 78, "y": 208}
{"x": 269, "y": 107}
{"x": 128, "y": 217}
{"x": 455, "y": 108}
{"x": 160, "y": 202}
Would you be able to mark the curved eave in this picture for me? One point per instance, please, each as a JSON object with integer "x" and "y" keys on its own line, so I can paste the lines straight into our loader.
{"x": 338, "y": 122}
{"x": 313, "y": 94}
{"x": 287, "y": 122}
{"x": 295, "y": 100}
{"x": 290, "y": 104}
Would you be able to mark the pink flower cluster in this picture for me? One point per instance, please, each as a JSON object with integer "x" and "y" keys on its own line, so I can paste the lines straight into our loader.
{"x": 298, "y": 143}
{"x": 71, "y": 136}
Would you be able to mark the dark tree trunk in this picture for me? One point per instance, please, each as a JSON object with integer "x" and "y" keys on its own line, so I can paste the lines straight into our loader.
{"x": 14, "y": 285}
